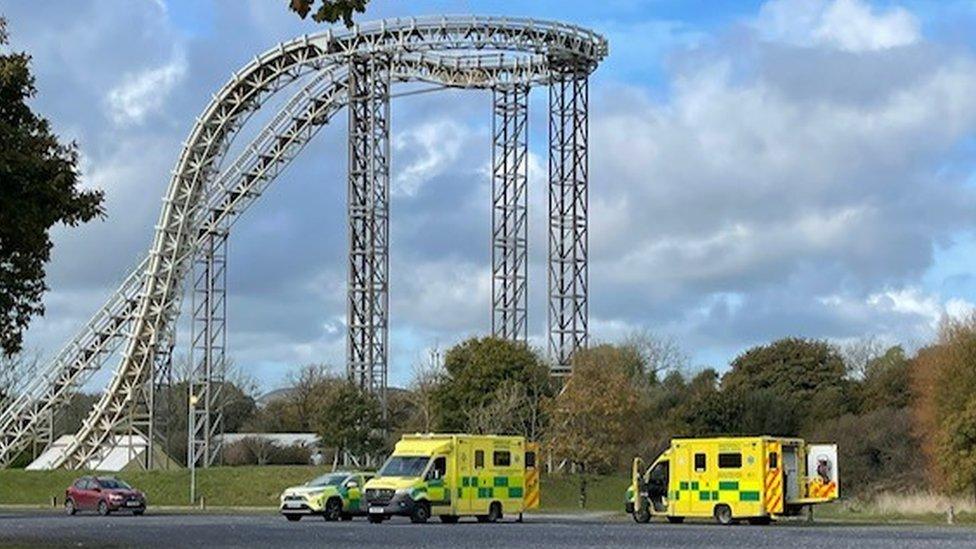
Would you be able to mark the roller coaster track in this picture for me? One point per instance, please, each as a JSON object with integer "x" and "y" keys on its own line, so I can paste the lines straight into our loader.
{"x": 448, "y": 51}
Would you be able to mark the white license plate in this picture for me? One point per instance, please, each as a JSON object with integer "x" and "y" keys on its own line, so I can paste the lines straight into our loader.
{"x": 376, "y": 510}
{"x": 132, "y": 504}
{"x": 293, "y": 505}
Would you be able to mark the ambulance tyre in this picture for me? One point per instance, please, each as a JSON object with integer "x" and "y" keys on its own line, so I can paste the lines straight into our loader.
{"x": 333, "y": 509}
{"x": 723, "y": 514}
{"x": 420, "y": 513}
{"x": 495, "y": 512}
{"x": 449, "y": 519}
{"x": 676, "y": 520}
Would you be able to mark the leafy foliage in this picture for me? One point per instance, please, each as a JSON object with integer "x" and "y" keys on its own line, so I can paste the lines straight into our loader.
{"x": 474, "y": 370}
{"x": 39, "y": 183}
{"x": 329, "y": 10}
{"x": 350, "y": 419}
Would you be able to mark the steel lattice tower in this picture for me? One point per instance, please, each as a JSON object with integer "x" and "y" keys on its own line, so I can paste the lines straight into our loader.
{"x": 509, "y": 220}
{"x": 207, "y": 354}
{"x": 369, "y": 226}
{"x": 568, "y": 237}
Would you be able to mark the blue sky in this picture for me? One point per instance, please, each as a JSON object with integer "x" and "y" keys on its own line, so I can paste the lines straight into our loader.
{"x": 758, "y": 169}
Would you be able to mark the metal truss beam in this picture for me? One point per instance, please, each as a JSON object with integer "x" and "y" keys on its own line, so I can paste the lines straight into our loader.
{"x": 509, "y": 220}
{"x": 568, "y": 237}
{"x": 207, "y": 355}
{"x": 369, "y": 227}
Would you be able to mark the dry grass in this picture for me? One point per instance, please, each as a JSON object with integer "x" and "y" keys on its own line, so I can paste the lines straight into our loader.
{"x": 920, "y": 503}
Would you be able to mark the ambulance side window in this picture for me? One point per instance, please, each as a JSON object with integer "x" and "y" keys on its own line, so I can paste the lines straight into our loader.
{"x": 699, "y": 463}
{"x": 501, "y": 458}
{"x": 479, "y": 459}
{"x": 773, "y": 460}
{"x": 730, "y": 461}
{"x": 529, "y": 460}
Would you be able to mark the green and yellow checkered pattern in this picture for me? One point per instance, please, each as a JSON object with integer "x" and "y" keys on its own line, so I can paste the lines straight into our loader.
{"x": 728, "y": 490}
{"x": 484, "y": 487}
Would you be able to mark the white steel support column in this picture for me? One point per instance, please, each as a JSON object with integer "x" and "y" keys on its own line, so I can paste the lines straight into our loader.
{"x": 369, "y": 229}
{"x": 568, "y": 174}
{"x": 509, "y": 222}
{"x": 207, "y": 354}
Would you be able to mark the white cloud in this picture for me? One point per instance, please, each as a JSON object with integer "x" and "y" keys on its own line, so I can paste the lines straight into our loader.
{"x": 850, "y": 25}
{"x": 145, "y": 92}
{"x": 434, "y": 146}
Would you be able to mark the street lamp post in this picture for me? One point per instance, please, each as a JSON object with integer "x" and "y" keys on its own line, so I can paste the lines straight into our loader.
{"x": 191, "y": 427}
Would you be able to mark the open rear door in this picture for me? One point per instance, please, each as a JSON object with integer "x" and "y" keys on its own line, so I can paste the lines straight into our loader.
{"x": 533, "y": 493}
{"x": 824, "y": 472}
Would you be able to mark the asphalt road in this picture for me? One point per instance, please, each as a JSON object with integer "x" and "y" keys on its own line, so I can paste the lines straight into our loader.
{"x": 38, "y": 529}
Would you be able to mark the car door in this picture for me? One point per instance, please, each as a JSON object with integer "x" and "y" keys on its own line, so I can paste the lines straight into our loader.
{"x": 85, "y": 495}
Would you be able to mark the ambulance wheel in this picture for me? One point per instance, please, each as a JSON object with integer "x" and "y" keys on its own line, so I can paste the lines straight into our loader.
{"x": 449, "y": 519}
{"x": 643, "y": 515}
{"x": 676, "y": 520}
{"x": 376, "y": 519}
{"x": 333, "y": 509}
{"x": 420, "y": 513}
{"x": 723, "y": 514}
{"x": 495, "y": 512}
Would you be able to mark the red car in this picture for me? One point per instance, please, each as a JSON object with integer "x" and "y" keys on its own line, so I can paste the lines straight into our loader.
{"x": 103, "y": 494}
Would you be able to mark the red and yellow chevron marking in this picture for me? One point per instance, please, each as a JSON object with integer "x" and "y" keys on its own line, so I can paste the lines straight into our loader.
{"x": 822, "y": 491}
{"x": 532, "y": 491}
{"x": 773, "y": 491}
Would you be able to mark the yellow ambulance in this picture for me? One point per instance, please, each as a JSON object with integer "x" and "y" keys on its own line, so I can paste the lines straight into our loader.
{"x": 455, "y": 475}
{"x": 734, "y": 478}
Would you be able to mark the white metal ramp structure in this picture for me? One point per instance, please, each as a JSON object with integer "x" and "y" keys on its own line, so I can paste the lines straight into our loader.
{"x": 355, "y": 68}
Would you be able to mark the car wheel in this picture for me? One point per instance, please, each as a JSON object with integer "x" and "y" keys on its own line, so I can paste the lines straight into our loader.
{"x": 642, "y": 515}
{"x": 69, "y": 507}
{"x": 333, "y": 509}
{"x": 103, "y": 508}
{"x": 449, "y": 519}
{"x": 676, "y": 520}
{"x": 420, "y": 513}
{"x": 293, "y": 518}
{"x": 376, "y": 519}
{"x": 723, "y": 514}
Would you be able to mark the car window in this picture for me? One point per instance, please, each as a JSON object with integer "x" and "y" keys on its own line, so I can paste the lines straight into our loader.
{"x": 113, "y": 484}
{"x": 404, "y": 466}
{"x": 331, "y": 479}
{"x": 90, "y": 484}
{"x": 80, "y": 483}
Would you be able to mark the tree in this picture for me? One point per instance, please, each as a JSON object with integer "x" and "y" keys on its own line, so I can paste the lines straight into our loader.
{"x": 659, "y": 356}
{"x": 944, "y": 407}
{"x": 329, "y": 10}
{"x": 886, "y": 381}
{"x": 350, "y": 419}
{"x": 594, "y": 416}
{"x": 809, "y": 376}
{"x": 39, "y": 188}
{"x": 476, "y": 368}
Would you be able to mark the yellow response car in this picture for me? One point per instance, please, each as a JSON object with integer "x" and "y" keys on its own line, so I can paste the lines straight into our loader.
{"x": 333, "y": 496}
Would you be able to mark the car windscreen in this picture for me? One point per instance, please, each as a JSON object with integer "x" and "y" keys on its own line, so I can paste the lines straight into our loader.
{"x": 113, "y": 484}
{"x": 404, "y": 466}
{"x": 332, "y": 479}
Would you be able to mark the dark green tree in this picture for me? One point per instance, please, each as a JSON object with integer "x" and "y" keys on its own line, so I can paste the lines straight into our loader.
{"x": 887, "y": 381}
{"x": 39, "y": 188}
{"x": 350, "y": 419}
{"x": 807, "y": 376}
{"x": 329, "y": 11}
{"x": 476, "y": 368}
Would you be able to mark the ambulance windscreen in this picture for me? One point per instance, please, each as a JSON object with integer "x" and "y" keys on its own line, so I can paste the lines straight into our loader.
{"x": 404, "y": 466}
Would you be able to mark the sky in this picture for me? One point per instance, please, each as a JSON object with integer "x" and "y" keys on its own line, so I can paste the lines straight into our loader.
{"x": 758, "y": 169}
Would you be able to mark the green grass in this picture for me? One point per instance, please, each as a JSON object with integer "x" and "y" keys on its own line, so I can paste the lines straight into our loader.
{"x": 261, "y": 486}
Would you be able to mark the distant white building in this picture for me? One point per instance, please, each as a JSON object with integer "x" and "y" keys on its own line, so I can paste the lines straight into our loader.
{"x": 282, "y": 440}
